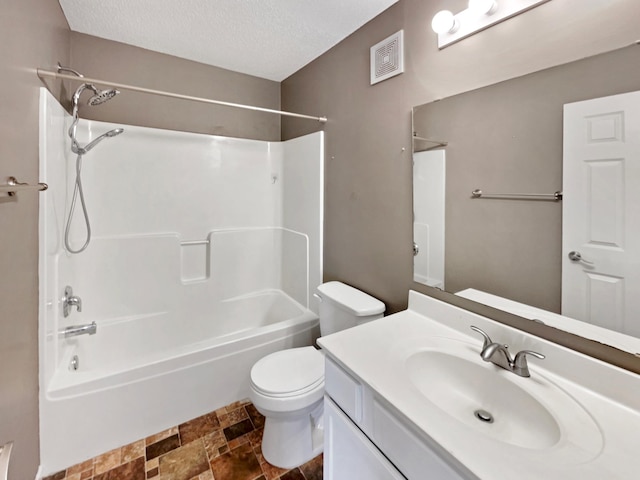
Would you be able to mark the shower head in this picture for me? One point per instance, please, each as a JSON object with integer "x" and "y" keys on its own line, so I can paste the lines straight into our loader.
{"x": 102, "y": 96}
{"x": 109, "y": 134}
{"x": 99, "y": 96}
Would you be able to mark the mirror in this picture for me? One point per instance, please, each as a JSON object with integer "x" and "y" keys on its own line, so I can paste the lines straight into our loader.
{"x": 507, "y": 138}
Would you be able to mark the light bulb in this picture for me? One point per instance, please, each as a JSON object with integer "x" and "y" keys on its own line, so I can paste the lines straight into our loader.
{"x": 444, "y": 22}
{"x": 482, "y": 7}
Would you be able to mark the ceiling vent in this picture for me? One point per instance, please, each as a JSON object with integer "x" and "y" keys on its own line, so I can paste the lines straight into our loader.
{"x": 387, "y": 58}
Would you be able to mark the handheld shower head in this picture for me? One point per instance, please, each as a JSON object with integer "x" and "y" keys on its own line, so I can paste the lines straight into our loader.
{"x": 102, "y": 96}
{"x": 109, "y": 134}
{"x": 114, "y": 132}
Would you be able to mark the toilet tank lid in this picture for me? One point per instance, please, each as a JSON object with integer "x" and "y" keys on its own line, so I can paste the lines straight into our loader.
{"x": 351, "y": 299}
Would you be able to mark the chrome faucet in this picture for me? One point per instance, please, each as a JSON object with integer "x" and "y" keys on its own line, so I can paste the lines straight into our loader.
{"x": 498, "y": 354}
{"x": 70, "y": 300}
{"x": 75, "y": 330}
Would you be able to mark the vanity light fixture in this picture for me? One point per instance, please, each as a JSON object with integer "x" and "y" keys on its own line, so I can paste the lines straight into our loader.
{"x": 444, "y": 22}
{"x": 483, "y": 7}
{"x": 480, "y": 15}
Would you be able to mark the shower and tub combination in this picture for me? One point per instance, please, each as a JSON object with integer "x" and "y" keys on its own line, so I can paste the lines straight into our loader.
{"x": 195, "y": 256}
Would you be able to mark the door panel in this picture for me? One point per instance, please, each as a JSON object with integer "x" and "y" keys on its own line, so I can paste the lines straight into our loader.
{"x": 601, "y": 212}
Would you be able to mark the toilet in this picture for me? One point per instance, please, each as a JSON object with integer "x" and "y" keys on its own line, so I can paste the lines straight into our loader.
{"x": 287, "y": 387}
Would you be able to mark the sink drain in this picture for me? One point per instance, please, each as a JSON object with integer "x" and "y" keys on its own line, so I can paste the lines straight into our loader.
{"x": 483, "y": 416}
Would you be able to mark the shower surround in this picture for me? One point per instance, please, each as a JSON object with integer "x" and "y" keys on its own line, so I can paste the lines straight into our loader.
{"x": 204, "y": 257}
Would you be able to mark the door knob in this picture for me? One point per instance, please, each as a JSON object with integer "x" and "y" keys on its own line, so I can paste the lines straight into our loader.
{"x": 577, "y": 257}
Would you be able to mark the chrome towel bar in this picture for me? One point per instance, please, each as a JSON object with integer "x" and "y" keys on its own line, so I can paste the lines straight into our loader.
{"x": 14, "y": 186}
{"x": 556, "y": 196}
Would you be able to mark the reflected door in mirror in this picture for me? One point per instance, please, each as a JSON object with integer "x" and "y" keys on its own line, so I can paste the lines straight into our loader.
{"x": 428, "y": 217}
{"x": 601, "y": 230}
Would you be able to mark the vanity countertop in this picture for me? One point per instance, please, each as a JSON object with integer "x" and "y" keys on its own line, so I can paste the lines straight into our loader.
{"x": 593, "y": 407}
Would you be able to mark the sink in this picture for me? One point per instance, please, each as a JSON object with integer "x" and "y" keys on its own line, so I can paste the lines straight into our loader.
{"x": 528, "y": 413}
{"x": 483, "y": 398}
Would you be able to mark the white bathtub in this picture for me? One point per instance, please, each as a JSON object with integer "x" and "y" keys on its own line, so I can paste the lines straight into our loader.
{"x": 140, "y": 375}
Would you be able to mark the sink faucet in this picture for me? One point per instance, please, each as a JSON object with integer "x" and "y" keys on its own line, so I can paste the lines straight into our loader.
{"x": 498, "y": 354}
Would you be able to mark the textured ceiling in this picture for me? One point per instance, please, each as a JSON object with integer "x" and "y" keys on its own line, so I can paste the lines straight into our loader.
{"x": 267, "y": 38}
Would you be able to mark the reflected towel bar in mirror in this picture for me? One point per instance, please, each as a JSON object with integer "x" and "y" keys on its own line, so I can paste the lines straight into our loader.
{"x": 556, "y": 196}
{"x": 436, "y": 143}
{"x": 14, "y": 186}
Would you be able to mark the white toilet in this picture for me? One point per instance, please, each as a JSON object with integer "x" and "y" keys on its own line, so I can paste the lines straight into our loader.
{"x": 287, "y": 387}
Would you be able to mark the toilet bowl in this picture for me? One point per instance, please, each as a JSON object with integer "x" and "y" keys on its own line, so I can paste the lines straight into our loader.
{"x": 287, "y": 387}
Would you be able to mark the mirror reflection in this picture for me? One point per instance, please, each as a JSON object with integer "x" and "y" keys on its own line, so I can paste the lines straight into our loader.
{"x": 579, "y": 256}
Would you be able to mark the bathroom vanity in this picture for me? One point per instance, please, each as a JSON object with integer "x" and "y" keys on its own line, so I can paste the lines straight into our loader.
{"x": 409, "y": 396}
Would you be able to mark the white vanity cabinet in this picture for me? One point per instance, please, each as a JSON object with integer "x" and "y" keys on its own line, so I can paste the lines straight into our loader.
{"x": 365, "y": 439}
{"x": 348, "y": 453}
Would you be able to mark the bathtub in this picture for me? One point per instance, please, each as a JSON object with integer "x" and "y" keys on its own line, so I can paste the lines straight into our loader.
{"x": 142, "y": 374}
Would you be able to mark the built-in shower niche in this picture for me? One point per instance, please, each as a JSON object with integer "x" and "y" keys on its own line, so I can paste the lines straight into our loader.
{"x": 195, "y": 257}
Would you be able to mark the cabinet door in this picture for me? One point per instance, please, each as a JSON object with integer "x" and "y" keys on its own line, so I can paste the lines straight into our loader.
{"x": 349, "y": 454}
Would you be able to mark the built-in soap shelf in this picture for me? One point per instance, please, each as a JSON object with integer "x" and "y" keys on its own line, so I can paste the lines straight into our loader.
{"x": 195, "y": 260}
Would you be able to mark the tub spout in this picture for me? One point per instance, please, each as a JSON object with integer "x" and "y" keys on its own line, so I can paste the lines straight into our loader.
{"x": 75, "y": 330}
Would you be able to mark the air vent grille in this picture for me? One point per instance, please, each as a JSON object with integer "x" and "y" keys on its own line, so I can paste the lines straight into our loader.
{"x": 387, "y": 58}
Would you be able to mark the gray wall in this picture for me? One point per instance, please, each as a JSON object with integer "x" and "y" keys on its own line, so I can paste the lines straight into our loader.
{"x": 368, "y": 224}
{"x": 33, "y": 33}
{"x": 508, "y": 138}
{"x": 113, "y": 61}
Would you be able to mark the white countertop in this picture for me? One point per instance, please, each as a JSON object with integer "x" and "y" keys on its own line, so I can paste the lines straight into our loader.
{"x": 602, "y": 434}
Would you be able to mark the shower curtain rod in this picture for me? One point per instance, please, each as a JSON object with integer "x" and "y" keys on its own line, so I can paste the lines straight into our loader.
{"x": 46, "y": 73}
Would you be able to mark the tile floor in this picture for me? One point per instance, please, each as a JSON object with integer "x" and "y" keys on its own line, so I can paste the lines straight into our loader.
{"x": 221, "y": 445}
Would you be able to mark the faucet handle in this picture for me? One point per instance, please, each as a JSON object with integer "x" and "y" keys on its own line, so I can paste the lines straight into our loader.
{"x": 520, "y": 366}
{"x": 487, "y": 338}
{"x": 69, "y": 300}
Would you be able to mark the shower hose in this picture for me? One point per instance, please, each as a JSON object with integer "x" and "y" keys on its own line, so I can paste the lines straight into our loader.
{"x": 77, "y": 192}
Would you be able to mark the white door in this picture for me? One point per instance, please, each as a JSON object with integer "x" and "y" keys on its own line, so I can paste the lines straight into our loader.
{"x": 601, "y": 212}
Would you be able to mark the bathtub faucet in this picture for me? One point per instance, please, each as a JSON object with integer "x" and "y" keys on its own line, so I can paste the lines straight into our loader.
{"x": 70, "y": 300}
{"x": 75, "y": 330}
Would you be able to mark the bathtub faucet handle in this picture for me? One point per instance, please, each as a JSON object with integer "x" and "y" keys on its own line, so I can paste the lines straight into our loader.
{"x": 70, "y": 300}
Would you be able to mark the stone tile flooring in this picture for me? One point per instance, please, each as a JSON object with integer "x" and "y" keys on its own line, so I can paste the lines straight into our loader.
{"x": 221, "y": 445}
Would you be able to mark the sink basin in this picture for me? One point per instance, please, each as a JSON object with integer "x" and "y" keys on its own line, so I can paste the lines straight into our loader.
{"x": 529, "y": 413}
{"x": 483, "y": 398}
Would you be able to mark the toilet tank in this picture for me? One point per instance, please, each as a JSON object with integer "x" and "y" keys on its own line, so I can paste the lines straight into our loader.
{"x": 342, "y": 306}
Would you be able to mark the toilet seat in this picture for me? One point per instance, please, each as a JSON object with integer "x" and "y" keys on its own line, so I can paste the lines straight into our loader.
{"x": 289, "y": 373}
